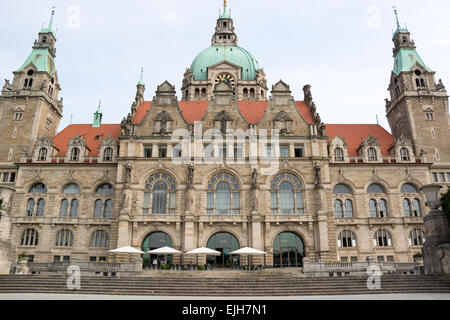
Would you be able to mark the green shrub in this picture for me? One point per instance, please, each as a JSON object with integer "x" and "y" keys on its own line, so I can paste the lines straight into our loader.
{"x": 165, "y": 267}
{"x": 201, "y": 268}
{"x": 23, "y": 256}
{"x": 418, "y": 256}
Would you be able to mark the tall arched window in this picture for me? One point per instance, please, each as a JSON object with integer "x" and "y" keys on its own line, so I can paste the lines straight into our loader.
{"x": 382, "y": 238}
{"x": 30, "y": 207}
{"x": 40, "y": 208}
{"x": 407, "y": 208}
{"x": 404, "y": 153}
{"x": 64, "y": 208}
{"x": 338, "y": 209}
{"x": 287, "y": 195}
{"x": 99, "y": 239}
{"x": 74, "y": 208}
{"x": 103, "y": 207}
{"x": 38, "y": 188}
{"x": 338, "y": 154}
{"x": 373, "y": 208}
{"x": 29, "y": 238}
{"x": 160, "y": 192}
{"x": 417, "y": 211}
{"x": 346, "y": 239}
{"x": 411, "y": 206}
{"x": 416, "y": 237}
{"x": 348, "y": 209}
{"x": 64, "y": 238}
{"x": 223, "y": 195}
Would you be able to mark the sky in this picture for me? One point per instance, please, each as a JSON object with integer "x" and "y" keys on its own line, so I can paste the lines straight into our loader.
{"x": 342, "y": 48}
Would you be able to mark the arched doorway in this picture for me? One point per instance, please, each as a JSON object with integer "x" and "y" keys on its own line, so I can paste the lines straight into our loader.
{"x": 288, "y": 251}
{"x": 225, "y": 243}
{"x": 154, "y": 241}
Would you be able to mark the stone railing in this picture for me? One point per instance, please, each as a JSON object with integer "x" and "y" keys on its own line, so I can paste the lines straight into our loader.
{"x": 331, "y": 269}
{"x": 87, "y": 268}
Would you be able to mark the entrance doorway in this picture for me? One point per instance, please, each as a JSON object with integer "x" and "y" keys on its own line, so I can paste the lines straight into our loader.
{"x": 288, "y": 251}
{"x": 225, "y": 243}
{"x": 154, "y": 241}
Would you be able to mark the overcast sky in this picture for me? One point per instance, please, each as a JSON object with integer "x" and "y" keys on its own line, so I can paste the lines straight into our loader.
{"x": 343, "y": 48}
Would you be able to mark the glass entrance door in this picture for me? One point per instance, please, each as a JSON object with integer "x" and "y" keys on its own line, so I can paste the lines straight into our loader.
{"x": 288, "y": 251}
{"x": 224, "y": 243}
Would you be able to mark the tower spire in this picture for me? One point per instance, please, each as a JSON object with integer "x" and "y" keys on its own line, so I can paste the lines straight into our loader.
{"x": 98, "y": 115}
{"x": 50, "y": 25}
{"x": 141, "y": 80}
{"x": 396, "y": 16}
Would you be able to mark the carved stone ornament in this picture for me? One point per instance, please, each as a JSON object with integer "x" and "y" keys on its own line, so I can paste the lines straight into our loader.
{"x": 403, "y": 141}
{"x": 282, "y": 116}
{"x": 77, "y": 141}
{"x": 108, "y": 142}
{"x": 370, "y": 142}
{"x": 44, "y": 142}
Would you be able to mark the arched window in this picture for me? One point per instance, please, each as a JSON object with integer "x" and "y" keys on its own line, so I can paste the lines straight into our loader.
{"x": 30, "y": 207}
{"x": 417, "y": 83}
{"x": 74, "y": 208}
{"x": 417, "y": 211}
{"x": 382, "y": 238}
{"x": 105, "y": 189}
{"x": 383, "y": 208}
{"x": 407, "y": 208}
{"x": 72, "y": 188}
{"x": 405, "y": 154}
{"x": 108, "y": 154}
{"x": 99, "y": 239}
{"x": 348, "y": 209}
{"x": 342, "y": 189}
{"x": 416, "y": 237}
{"x": 409, "y": 188}
{"x": 252, "y": 93}
{"x": 288, "y": 250}
{"x": 38, "y": 188}
{"x": 64, "y": 238}
{"x": 338, "y": 154}
{"x": 376, "y": 188}
{"x": 154, "y": 241}
{"x": 108, "y": 209}
{"x": 160, "y": 192}
{"x": 373, "y": 208}
{"x": 245, "y": 93}
{"x": 287, "y": 195}
{"x": 197, "y": 93}
{"x": 203, "y": 93}
{"x": 40, "y": 208}
{"x": 29, "y": 238}
{"x": 98, "y": 209}
{"x": 338, "y": 209}
{"x": 64, "y": 208}
{"x": 422, "y": 82}
{"x": 75, "y": 154}
{"x": 372, "y": 154}
{"x": 42, "y": 154}
{"x": 346, "y": 239}
{"x": 223, "y": 195}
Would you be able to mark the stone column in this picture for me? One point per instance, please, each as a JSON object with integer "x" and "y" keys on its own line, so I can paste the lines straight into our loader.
{"x": 257, "y": 242}
{"x": 436, "y": 249}
{"x": 189, "y": 238}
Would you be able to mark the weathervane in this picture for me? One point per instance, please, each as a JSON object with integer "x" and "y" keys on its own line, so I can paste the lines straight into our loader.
{"x": 396, "y": 16}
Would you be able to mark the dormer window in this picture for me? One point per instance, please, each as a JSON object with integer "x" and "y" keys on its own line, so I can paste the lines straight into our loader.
{"x": 42, "y": 154}
{"x": 405, "y": 154}
{"x": 75, "y": 154}
{"x": 108, "y": 155}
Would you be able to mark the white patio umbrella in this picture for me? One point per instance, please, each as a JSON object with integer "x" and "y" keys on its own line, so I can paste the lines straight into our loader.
{"x": 249, "y": 252}
{"x": 165, "y": 251}
{"x": 205, "y": 251}
{"x": 128, "y": 250}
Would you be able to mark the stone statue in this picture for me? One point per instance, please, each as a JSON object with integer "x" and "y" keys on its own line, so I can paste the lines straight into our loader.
{"x": 43, "y": 85}
{"x": 254, "y": 179}
{"x": 318, "y": 169}
{"x": 440, "y": 85}
{"x": 7, "y": 85}
{"x": 254, "y": 199}
{"x": 190, "y": 177}
{"x": 128, "y": 169}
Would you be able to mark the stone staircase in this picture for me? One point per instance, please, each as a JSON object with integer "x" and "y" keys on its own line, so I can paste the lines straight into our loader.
{"x": 252, "y": 286}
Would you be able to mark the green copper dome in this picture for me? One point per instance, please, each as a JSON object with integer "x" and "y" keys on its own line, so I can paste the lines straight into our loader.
{"x": 42, "y": 60}
{"x": 233, "y": 54}
{"x": 406, "y": 59}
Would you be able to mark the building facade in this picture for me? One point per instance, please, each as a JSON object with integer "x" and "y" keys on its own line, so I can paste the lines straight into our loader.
{"x": 329, "y": 192}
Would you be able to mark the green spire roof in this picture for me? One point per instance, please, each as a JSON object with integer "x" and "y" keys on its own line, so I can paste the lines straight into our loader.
{"x": 399, "y": 29}
{"x": 98, "y": 117}
{"x": 406, "y": 59}
{"x": 141, "y": 80}
{"x": 49, "y": 29}
{"x": 42, "y": 60}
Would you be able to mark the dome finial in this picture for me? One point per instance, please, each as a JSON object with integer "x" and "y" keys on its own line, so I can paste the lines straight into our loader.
{"x": 141, "y": 80}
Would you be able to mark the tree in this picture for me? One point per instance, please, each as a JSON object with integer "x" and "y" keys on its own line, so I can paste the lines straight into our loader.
{"x": 446, "y": 204}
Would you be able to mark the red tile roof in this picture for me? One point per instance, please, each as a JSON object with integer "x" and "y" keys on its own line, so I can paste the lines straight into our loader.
{"x": 305, "y": 111}
{"x": 141, "y": 112}
{"x": 93, "y": 136}
{"x": 193, "y": 111}
{"x": 354, "y": 132}
{"x": 252, "y": 111}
